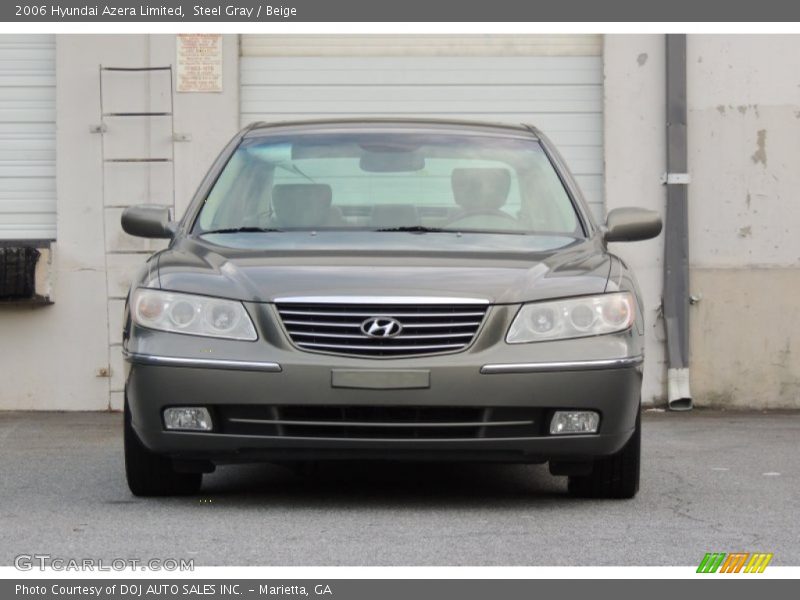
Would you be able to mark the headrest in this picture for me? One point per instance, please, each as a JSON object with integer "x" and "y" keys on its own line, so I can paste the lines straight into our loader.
{"x": 394, "y": 215}
{"x": 481, "y": 189}
{"x": 302, "y": 204}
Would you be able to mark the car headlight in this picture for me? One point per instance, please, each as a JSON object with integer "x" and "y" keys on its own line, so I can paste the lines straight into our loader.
{"x": 572, "y": 318}
{"x": 193, "y": 315}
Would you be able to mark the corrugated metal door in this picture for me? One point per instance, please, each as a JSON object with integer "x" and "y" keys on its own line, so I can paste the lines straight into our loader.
{"x": 27, "y": 137}
{"x": 553, "y": 82}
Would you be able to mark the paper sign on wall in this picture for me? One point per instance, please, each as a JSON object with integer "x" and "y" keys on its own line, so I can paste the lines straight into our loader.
{"x": 199, "y": 62}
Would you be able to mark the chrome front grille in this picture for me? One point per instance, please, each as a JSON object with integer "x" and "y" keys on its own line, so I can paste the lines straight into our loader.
{"x": 340, "y": 328}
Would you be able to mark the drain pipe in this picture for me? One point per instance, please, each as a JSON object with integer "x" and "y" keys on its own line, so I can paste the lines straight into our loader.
{"x": 676, "y": 235}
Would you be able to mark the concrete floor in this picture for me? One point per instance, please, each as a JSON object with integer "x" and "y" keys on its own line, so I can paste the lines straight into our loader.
{"x": 712, "y": 481}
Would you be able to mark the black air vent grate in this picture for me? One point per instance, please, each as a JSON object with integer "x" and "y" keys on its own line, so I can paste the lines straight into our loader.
{"x": 380, "y": 422}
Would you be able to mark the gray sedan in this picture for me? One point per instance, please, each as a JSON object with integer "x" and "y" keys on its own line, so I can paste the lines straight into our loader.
{"x": 385, "y": 290}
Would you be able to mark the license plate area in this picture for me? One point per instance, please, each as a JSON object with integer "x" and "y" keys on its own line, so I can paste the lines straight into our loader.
{"x": 381, "y": 379}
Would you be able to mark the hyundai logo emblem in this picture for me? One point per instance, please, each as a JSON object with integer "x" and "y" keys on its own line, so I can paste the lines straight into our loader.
{"x": 381, "y": 327}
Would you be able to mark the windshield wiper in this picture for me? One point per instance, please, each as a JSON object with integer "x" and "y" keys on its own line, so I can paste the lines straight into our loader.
{"x": 241, "y": 230}
{"x": 417, "y": 229}
{"x": 295, "y": 169}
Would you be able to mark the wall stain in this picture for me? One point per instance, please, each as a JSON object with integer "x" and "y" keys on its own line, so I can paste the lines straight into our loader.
{"x": 790, "y": 385}
{"x": 747, "y": 200}
{"x": 785, "y": 354}
{"x": 760, "y": 155}
{"x": 745, "y": 231}
{"x": 641, "y": 59}
{"x": 721, "y": 109}
{"x": 719, "y": 398}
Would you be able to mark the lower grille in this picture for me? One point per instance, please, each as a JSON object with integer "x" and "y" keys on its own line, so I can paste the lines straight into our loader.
{"x": 399, "y": 329}
{"x": 380, "y": 422}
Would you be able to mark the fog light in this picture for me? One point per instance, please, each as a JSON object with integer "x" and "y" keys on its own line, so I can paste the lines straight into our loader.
{"x": 187, "y": 418}
{"x": 574, "y": 421}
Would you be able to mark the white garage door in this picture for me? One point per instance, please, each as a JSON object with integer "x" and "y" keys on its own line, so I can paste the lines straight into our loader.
{"x": 27, "y": 137}
{"x": 552, "y": 82}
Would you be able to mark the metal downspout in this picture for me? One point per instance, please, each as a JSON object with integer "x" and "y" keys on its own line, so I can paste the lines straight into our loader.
{"x": 676, "y": 239}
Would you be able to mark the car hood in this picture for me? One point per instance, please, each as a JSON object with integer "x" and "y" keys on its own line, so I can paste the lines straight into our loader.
{"x": 266, "y": 267}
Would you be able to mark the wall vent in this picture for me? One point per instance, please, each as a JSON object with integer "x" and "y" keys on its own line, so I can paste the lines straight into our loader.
{"x": 25, "y": 274}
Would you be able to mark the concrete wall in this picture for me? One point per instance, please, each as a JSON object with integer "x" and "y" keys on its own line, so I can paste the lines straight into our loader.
{"x": 51, "y": 354}
{"x": 635, "y": 155}
{"x": 68, "y": 356}
{"x": 744, "y": 145}
{"x": 744, "y": 154}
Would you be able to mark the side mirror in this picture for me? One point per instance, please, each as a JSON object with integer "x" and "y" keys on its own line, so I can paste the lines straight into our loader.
{"x": 632, "y": 225}
{"x": 148, "y": 221}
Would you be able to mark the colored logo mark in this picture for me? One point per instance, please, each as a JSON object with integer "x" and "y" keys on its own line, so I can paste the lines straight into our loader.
{"x": 736, "y": 562}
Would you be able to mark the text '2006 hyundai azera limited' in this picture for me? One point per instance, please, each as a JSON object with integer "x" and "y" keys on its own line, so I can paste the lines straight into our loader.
{"x": 385, "y": 290}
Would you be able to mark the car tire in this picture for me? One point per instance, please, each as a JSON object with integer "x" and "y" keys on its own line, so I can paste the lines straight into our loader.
{"x": 151, "y": 474}
{"x": 615, "y": 476}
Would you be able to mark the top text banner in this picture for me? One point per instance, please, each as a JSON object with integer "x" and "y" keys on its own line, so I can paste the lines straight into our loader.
{"x": 243, "y": 11}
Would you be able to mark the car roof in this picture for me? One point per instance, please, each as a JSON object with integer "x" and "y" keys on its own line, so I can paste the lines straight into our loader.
{"x": 433, "y": 125}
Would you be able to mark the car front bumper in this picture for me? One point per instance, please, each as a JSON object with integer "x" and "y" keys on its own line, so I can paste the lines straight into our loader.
{"x": 609, "y": 385}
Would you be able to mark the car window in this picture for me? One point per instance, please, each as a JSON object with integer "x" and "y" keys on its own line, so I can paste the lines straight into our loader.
{"x": 390, "y": 180}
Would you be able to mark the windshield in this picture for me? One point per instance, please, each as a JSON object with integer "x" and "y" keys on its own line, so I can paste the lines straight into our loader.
{"x": 389, "y": 181}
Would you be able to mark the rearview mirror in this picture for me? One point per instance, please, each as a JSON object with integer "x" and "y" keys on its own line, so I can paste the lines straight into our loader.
{"x": 148, "y": 221}
{"x": 392, "y": 162}
{"x": 632, "y": 224}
